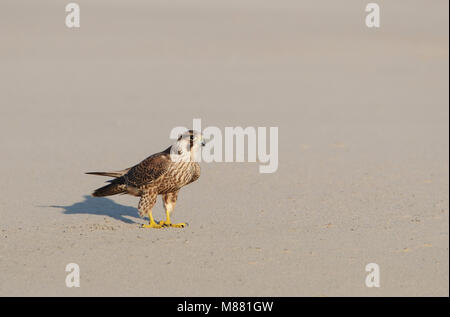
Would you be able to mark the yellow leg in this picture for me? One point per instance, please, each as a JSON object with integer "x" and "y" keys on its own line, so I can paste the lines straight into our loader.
{"x": 152, "y": 223}
{"x": 168, "y": 223}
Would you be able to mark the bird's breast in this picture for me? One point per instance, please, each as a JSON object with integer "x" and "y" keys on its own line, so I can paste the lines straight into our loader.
{"x": 179, "y": 175}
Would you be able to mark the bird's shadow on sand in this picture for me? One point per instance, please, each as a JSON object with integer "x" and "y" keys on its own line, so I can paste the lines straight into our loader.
{"x": 102, "y": 207}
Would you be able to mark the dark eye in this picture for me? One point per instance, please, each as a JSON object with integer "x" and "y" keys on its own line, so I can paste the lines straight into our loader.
{"x": 179, "y": 138}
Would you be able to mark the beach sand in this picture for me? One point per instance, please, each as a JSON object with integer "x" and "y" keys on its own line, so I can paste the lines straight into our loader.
{"x": 363, "y": 147}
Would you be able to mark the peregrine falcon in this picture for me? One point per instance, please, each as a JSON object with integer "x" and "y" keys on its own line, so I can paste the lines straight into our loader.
{"x": 163, "y": 173}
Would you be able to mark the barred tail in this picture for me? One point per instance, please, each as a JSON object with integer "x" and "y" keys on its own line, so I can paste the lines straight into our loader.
{"x": 108, "y": 190}
{"x": 110, "y": 174}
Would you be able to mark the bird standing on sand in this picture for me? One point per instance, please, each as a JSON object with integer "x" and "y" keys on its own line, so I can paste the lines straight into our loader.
{"x": 162, "y": 173}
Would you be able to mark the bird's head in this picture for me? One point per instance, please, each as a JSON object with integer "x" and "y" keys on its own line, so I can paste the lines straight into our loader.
{"x": 188, "y": 144}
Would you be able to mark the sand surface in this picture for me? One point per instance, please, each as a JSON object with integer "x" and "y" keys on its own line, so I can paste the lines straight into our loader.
{"x": 363, "y": 147}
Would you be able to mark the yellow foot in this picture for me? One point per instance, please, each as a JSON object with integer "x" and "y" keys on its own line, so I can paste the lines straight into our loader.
{"x": 174, "y": 225}
{"x": 152, "y": 225}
